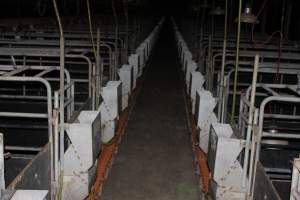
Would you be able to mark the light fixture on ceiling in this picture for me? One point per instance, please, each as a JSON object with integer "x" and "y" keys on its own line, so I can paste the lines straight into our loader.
{"x": 196, "y": 9}
{"x": 205, "y": 5}
{"x": 217, "y": 11}
{"x": 247, "y": 16}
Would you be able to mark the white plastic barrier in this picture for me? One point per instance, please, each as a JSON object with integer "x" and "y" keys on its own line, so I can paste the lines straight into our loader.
{"x": 29, "y": 194}
{"x": 191, "y": 67}
{"x": 205, "y": 116}
{"x": 110, "y": 108}
{"x": 79, "y": 159}
{"x": 196, "y": 83}
{"x": 126, "y": 76}
{"x": 225, "y": 168}
{"x": 295, "y": 185}
{"x": 141, "y": 52}
{"x": 134, "y": 62}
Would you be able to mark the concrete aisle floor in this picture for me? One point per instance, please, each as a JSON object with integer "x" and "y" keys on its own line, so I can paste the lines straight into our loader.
{"x": 155, "y": 160}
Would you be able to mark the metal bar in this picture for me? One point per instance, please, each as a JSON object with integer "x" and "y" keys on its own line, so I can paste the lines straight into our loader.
{"x": 44, "y": 72}
{"x": 23, "y": 126}
{"x": 281, "y": 116}
{"x": 11, "y": 73}
{"x": 250, "y": 122}
{"x": 21, "y": 148}
{"x": 23, "y": 115}
{"x": 61, "y": 110}
{"x": 3, "y": 96}
{"x": 281, "y": 135}
{"x": 269, "y": 90}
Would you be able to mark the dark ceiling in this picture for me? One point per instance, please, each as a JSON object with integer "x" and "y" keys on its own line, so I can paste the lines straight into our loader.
{"x": 35, "y": 8}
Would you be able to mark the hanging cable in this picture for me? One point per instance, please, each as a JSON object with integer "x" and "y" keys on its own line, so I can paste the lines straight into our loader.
{"x": 96, "y": 52}
{"x": 237, "y": 62}
{"x": 91, "y": 28}
{"x": 222, "y": 82}
{"x": 41, "y": 7}
{"x": 125, "y": 8}
{"x": 253, "y": 26}
{"x": 114, "y": 71}
{"x": 269, "y": 39}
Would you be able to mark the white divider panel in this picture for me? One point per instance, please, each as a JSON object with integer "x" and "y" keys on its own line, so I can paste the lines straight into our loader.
{"x": 196, "y": 83}
{"x": 223, "y": 163}
{"x": 191, "y": 67}
{"x": 134, "y": 61}
{"x": 80, "y": 156}
{"x": 110, "y": 108}
{"x": 205, "y": 104}
{"x": 126, "y": 76}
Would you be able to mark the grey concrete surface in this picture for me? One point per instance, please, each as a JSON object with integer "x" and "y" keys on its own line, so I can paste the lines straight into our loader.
{"x": 155, "y": 160}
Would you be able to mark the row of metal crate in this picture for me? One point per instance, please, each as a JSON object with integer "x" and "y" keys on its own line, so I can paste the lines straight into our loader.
{"x": 250, "y": 151}
{"x": 42, "y": 157}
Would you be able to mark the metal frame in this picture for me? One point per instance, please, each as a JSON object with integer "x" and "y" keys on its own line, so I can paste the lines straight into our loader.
{"x": 265, "y": 68}
{"x": 271, "y": 95}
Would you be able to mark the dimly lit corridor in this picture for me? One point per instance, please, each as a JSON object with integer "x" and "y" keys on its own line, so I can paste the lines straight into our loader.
{"x": 149, "y": 100}
{"x": 155, "y": 159}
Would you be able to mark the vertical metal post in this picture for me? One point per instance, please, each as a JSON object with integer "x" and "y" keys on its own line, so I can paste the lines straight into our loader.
{"x": 237, "y": 61}
{"x": 208, "y": 69}
{"x": 2, "y": 180}
{"x": 200, "y": 59}
{"x": 253, "y": 148}
{"x": 98, "y": 70}
{"x": 221, "y": 96}
{"x": 212, "y": 21}
{"x": 282, "y": 16}
{"x": 250, "y": 121}
{"x": 62, "y": 96}
{"x": 125, "y": 7}
{"x": 56, "y": 136}
{"x": 288, "y": 18}
{"x": 116, "y": 39}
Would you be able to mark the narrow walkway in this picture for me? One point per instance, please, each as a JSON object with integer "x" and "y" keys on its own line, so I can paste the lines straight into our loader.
{"x": 155, "y": 160}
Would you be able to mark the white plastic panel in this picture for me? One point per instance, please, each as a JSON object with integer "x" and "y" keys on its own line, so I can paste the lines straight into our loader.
{"x": 112, "y": 97}
{"x": 191, "y": 67}
{"x": 140, "y": 51}
{"x": 30, "y": 195}
{"x": 79, "y": 185}
{"x": 126, "y": 76}
{"x": 134, "y": 61}
{"x": 196, "y": 84}
{"x": 85, "y": 139}
{"x": 205, "y": 116}
{"x": 223, "y": 161}
{"x": 295, "y": 185}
